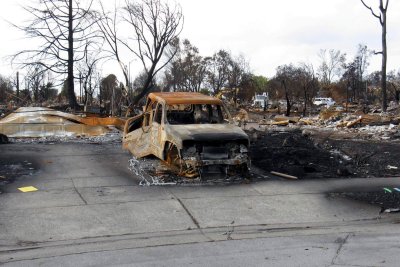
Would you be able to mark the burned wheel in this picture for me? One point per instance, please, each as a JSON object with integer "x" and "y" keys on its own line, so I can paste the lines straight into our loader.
{"x": 173, "y": 159}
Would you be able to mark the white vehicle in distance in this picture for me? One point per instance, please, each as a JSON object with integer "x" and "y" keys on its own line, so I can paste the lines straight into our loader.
{"x": 324, "y": 101}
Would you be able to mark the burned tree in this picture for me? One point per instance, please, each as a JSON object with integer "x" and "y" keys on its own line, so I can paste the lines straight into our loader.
{"x": 156, "y": 26}
{"x": 354, "y": 74}
{"x": 394, "y": 85}
{"x": 64, "y": 29}
{"x": 383, "y": 6}
{"x": 5, "y": 89}
{"x": 187, "y": 71}
{"x": 218, "y": 70}
{"x": 238, "y": 72}
{"x": 35, "y": 78}
{"x": 108, "y": 24}
{"x": 288, "y": 85}
{"x": 309, "y": 84}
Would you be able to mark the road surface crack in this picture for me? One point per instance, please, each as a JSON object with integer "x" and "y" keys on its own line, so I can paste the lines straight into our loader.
{"x": 79, "y": 194}
{"x": 190, "y": 214}
{"x": 341, "y": 242}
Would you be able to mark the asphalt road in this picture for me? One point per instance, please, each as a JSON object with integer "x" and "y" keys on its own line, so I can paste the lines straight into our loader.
{"x": 90, "y": 210}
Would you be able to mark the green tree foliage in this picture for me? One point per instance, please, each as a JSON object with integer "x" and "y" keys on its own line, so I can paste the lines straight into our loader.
{"x": 260, "y": 83}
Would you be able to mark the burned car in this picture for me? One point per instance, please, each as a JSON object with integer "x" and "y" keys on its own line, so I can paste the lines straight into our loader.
{"x": 193, "y": 133}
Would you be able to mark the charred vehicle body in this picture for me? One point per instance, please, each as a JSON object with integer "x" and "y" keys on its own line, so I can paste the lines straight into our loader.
{"x": 193, "y": 133}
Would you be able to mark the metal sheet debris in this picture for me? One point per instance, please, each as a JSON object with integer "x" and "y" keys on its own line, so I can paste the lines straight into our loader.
{"x": 46, "y": 122}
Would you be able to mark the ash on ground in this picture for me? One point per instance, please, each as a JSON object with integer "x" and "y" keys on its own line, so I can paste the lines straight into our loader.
{"x": 312, "y": 154}
{"x": 112, "y": 137}
{"x": 387, "y": 198}
{"x": 10, "y": 169}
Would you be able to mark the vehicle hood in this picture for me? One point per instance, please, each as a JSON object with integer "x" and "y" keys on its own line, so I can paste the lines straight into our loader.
{"x": 206, "y": 132}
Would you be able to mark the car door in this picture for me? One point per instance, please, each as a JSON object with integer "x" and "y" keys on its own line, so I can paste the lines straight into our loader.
{"x": 156, "y": 130}
{"x": 138, "y": 141}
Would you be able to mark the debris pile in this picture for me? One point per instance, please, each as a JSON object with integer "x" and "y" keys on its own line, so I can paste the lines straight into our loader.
{"x": 370, "y": 126}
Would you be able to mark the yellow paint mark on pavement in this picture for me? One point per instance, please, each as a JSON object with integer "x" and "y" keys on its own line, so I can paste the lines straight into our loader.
{"x": 28, "y": 189}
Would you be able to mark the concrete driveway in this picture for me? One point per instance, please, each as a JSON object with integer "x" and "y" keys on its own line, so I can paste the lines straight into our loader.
{"x": 90, "y": 210}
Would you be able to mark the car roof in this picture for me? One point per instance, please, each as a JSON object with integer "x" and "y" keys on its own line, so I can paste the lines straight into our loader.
{"x": 174, "y": 98}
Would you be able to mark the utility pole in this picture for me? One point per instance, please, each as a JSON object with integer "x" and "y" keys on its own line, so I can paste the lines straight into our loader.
{"x": 17, "y": 86}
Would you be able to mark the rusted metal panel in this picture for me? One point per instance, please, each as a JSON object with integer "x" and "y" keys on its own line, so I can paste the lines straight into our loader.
{"x": 96, "y": 121}
{"x": 177, "y": 98}
{"x": 42, "y": 122}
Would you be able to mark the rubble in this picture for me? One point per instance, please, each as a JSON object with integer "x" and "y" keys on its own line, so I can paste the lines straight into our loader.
{"x": 371, "y": 126}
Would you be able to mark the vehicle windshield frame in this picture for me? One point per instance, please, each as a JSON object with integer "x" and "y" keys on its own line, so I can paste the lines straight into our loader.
{"x": 222, "y": 117}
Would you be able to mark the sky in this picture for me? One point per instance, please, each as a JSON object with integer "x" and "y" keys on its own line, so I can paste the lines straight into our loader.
{"x": 268, "y": 33}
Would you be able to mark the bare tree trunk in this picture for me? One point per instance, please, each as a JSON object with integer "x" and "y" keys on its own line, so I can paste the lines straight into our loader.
{"x": 384, "y": 58}
{"x": 71, "y": 87}
{"x": 305, "y": 101}
{"x": 382, "y": 20}
{"x": 288, "y": 105}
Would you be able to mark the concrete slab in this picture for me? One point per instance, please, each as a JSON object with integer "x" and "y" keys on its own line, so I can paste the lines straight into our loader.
{"x": 288, "y": 251}
{"x": 111, "y": 180}
{"x": 95, "y": 165}
{"x": 39, "y": 199}
{"x": 39, "y": 225}
{"x": 213, "y": 191}
{"x": 280, "y": 209}
{"x": 357, "y": 250}
{"x": 117, "y": 194}
{"x": 79, "y": 246}
{"x": 41, "y": 184}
